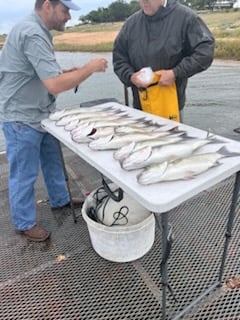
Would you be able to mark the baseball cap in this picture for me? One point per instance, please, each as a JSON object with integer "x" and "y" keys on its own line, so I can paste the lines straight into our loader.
{"x": 69, "y": 4}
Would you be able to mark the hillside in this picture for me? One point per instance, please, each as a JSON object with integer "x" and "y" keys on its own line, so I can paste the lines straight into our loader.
{"x": 225, "y": 26}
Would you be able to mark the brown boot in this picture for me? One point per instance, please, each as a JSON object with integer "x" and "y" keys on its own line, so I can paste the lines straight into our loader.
{"x": 36, "y": 233}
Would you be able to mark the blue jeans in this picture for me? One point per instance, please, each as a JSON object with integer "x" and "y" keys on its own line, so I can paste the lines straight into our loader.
{"x": 26, "y": 150}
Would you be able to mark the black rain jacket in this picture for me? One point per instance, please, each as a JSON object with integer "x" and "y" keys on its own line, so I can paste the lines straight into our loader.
{"x": 174, "y": 38}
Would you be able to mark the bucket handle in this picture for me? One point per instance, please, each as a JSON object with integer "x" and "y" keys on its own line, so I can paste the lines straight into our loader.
{"x": 116, "y": 197}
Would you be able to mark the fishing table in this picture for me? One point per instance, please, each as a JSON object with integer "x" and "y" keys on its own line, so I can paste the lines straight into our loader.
{"x": 160, "y": 198}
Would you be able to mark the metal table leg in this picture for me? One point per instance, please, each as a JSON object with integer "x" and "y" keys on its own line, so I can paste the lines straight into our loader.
{"x": 166, "y": 250}
{"x": 67, "y": 183}
{"x": 231, "y": 216}
{"x": 164, "y": 267}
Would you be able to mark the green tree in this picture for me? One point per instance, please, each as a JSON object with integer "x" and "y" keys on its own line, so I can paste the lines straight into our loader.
{"x": 202, "y": 4}
{"x": 93, "y": 16}
{"x": 118, "y": 10}
{"x": 133, "y": 7}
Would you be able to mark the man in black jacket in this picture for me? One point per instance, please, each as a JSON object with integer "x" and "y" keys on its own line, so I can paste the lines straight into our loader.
{"x": 166, "y": 36}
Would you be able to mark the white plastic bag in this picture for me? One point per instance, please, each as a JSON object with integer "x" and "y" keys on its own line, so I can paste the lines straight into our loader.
{"x": 146, "y": 75}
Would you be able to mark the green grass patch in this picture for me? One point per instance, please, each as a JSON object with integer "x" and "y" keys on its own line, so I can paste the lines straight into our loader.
{"x": 227, "y": 49}
{"x": 101, "y": 47}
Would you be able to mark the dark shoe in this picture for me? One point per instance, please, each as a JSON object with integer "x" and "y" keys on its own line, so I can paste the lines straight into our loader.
{"x": 237, "y": 130}
{"x": 35, "y": 234}
{"x": 77, "y": 203}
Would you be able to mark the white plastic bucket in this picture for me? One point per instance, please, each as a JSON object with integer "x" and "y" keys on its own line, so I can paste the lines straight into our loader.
{"x": 120, "y": 243}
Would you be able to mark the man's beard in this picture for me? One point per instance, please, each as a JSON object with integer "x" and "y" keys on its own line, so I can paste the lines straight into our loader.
{"x": 59, "y": 26}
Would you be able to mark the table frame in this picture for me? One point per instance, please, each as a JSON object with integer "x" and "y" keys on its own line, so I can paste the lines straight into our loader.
{"x": 162, "y": 212}
{"x": 162, "y": 221}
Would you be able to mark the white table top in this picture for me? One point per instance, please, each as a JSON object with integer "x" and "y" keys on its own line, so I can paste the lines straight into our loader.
{"x": 160, "y": 197}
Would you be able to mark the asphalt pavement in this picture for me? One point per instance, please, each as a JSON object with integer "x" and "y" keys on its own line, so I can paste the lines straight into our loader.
{"x": 213, "y": 99}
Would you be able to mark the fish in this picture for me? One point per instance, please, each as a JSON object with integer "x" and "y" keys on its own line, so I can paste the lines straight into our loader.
{"x": 183, "y": 169}
{"x": 123, "y": 152}
{"x": 150, "y": 155}
{"x": 90, "y": 126}
{"x": 94, "y": 118}
{"x": 88, "y": 116}
{"x": 91, "y": 131}
{"x": 116, "y": 141}
{"x": 57, "y": 115}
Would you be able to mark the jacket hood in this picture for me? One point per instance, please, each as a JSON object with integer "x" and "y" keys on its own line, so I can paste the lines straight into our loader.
{"x": 162, "y": 11}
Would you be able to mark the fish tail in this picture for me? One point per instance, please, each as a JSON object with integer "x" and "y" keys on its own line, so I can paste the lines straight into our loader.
{"x": 176, "y": 130}
{"x": 213, "y": 139}
{"x": 212, "y": 136}
{"x": 226, "y": 153}
{"x": 185, "y": 136}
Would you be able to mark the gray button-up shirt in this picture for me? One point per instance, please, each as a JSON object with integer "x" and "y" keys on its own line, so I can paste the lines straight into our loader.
{"x": 27, "y": 58}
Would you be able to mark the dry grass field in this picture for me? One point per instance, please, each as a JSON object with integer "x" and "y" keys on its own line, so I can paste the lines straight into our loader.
{"x": 85, "y": 38}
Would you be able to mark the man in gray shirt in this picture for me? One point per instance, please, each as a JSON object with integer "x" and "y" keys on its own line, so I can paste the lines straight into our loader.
{"x": 30, "y": 78}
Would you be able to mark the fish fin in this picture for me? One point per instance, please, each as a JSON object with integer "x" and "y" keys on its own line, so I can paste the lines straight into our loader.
{"x": 101, "y": 140}
{"x": 165, "y": 165}
{"x": 144, "y": 121}
{"x": 139, "y": 156}
{"x": 109, "y": 108}
{"x": 210, "y": 134}
{"x": 179, "y": 132}
{"x": 124, "y": 151}
{"x": 119, "y": 111}
{"x": 156, "y": 124}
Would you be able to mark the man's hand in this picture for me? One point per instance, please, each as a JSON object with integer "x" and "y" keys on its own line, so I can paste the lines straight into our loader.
{"x": 97, "y": 65}
{"x": 167, "y": 77}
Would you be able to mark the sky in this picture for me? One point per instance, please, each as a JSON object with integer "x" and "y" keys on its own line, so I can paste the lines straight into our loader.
{"x": 11, "y": 11}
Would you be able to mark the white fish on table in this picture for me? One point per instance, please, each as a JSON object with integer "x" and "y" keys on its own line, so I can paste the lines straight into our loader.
{"x": 104, "y": 123}
{"x": 89, "y": 131}
{"x": 150, "y": 155}
{"x": 57, "y": 115}
{"x": 91, "y": 116}
{"x": 183, "y": 169}
{"x": 127, "y": 149}
{"x": 93, "y": 119}
{"x": 116, "y": 141}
